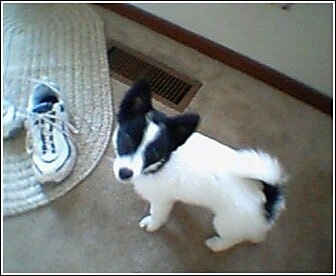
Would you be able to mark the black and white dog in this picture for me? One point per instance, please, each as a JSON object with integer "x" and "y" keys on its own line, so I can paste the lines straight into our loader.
{"x": 167, "y": 161}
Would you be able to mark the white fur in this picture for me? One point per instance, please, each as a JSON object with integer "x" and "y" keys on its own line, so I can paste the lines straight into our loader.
{"x": 204, "y": 172}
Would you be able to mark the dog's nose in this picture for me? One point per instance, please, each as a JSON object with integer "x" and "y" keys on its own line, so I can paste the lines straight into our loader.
{"x": 125, "y": 173}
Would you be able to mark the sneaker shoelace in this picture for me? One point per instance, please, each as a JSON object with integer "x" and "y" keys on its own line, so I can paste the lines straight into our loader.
{"x": 46, "y": 122}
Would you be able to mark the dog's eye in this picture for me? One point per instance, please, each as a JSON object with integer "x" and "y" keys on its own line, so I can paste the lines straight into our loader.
{"x": 156, "y": 155}
{"x": 130, "y": 136}
{"x": 125, "y": 144}
{"x": 152, "y": 155}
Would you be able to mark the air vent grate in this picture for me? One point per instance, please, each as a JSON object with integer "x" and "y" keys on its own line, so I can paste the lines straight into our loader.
{"x": 168, "y": 86}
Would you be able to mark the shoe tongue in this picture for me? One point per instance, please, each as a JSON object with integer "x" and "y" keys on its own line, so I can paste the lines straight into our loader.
{"x": 43, "y": 107}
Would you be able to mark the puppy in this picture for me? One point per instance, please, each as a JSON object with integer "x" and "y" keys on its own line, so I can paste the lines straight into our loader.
{"x": 167, "y": 161}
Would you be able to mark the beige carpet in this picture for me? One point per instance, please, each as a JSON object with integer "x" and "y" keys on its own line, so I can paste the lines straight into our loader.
{"x": 51, "y": 40}
{"x": 94, "y": 228}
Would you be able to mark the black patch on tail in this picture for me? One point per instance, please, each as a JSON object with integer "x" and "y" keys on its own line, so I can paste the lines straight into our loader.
{"x": 273, "y": 194}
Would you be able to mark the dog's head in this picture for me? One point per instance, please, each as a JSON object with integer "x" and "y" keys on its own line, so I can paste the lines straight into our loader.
{"x": 144, "y": 137}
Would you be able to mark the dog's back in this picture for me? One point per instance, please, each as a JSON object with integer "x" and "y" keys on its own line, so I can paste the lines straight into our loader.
{"x": 208, "y": 173}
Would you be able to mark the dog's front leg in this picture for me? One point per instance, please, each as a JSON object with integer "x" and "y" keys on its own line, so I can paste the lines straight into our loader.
{"x": 159, "y": 212}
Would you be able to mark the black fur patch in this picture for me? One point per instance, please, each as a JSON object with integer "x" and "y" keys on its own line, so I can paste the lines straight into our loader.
{"x": 137, "y": 102}
{"x": 180, "y": 128}
{"x": 157, "y": 152}
{"x": 273, "y": 194}
{"x": 130, "y": 135}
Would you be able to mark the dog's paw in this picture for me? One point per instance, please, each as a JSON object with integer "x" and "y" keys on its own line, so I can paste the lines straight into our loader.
{"x": 148, "y": 224}
{"x": 216, "y": 244}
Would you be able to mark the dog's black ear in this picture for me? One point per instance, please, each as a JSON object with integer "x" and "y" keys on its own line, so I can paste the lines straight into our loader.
{"x": 137, "y": 101}
{"x": 179, "y": 129}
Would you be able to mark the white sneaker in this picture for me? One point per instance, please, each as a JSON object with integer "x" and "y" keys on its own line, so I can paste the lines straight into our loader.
{"x": 48, "y": 137}
{"x": 12, "y": 119}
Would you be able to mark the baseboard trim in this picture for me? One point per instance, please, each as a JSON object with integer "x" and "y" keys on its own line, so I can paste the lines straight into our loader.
{"x": 221, "y": 53}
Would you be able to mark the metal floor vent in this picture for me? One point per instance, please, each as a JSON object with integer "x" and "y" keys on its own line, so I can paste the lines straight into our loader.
{"x": 168, "y": 86}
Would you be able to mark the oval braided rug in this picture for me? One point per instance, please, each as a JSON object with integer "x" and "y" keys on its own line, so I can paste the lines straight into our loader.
{"x": 66, "y": 43}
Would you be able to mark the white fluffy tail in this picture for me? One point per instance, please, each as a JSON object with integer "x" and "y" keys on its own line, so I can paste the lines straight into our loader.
{"x": 255, "y": 164}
